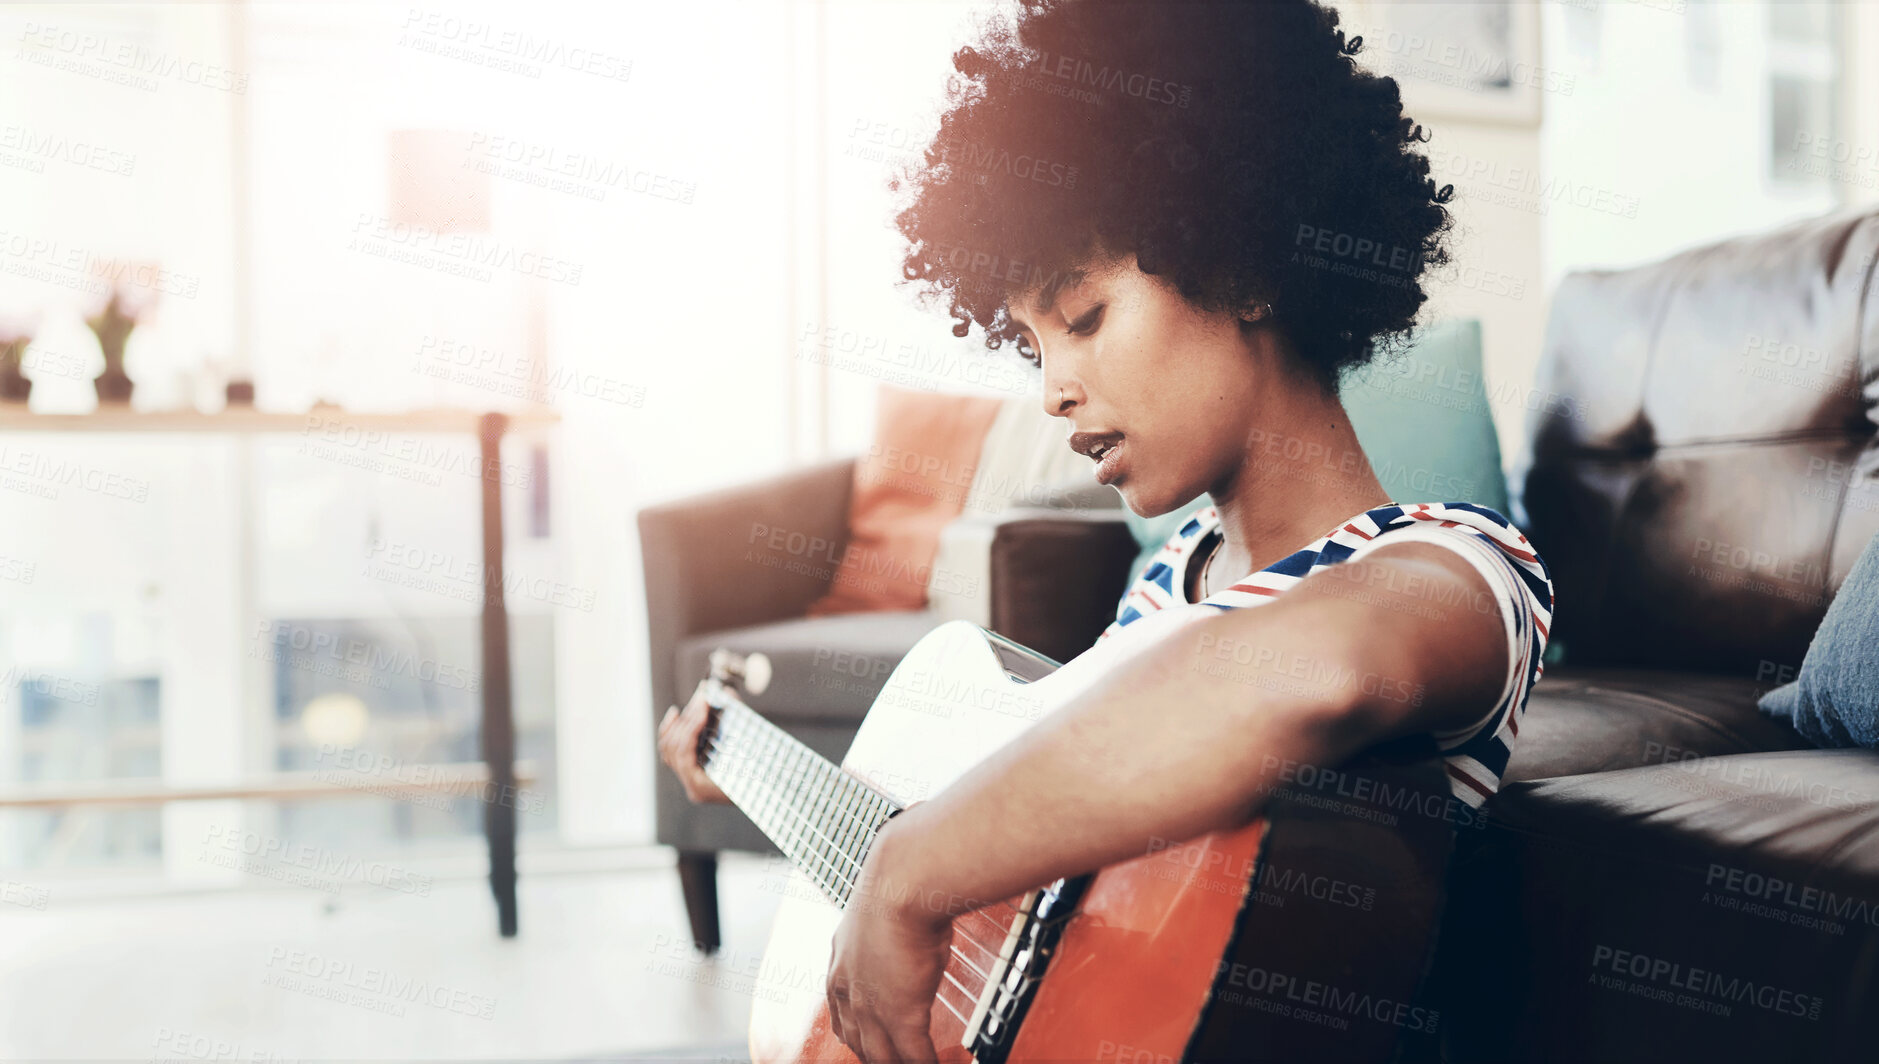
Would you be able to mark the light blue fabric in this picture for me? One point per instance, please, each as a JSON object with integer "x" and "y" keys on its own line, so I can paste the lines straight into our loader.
{"x": 1834, "y": 701}
{"x": 1423, "y": 419}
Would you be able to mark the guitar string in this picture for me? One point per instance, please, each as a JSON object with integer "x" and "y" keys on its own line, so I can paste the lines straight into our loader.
{"x": 847, "y": 814}
{"x": 984, "y": 976}
{"x": 947, "y": 977}
{"x": 1000, "y": 931}
{"x": 804, "y": 821}
{"x": 833, "y": 869}
{"x": 949, "y": 1008}
{"x": 832, "y": 771}
{"x": 1001, "y": 990}
{"x": 961, "y": 932}
{"x": 728, "y": 727}
{"x": 842, "y": 807}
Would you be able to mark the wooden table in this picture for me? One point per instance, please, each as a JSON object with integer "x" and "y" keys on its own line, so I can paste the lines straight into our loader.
{"x": 498, "y": 717}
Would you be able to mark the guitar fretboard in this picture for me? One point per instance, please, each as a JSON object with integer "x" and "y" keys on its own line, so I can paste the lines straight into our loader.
{"x": 822, "y": 818}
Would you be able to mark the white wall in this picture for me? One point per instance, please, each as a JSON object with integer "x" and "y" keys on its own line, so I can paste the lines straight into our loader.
{"x": 887, "y": 65}
{"x": 1670, "y": 109}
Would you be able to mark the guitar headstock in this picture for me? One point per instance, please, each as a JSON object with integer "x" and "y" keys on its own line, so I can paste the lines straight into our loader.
{"x": 744, "y": 672}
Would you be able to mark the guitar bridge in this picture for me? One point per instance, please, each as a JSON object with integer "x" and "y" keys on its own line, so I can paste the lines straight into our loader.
{"x": 1012, "y": 983}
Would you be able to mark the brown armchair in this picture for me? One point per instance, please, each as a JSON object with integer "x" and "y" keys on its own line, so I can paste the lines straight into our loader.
{"x": 738, "y": 568}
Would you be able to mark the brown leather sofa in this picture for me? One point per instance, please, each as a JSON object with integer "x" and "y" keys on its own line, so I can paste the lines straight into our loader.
{"x": 1667, "y": 874}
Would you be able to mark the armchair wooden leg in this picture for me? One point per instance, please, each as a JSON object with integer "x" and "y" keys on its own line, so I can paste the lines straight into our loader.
{"x": 698, "y": 877}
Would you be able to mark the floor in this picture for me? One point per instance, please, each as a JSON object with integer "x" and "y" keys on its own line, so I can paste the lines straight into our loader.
{"x": 602, "y": 970}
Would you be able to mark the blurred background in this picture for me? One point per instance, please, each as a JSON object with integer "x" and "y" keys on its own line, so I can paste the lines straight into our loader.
{"x": 322, "y": 239}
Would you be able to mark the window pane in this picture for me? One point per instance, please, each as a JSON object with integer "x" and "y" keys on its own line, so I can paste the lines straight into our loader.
{"x": 1800, "y": 115}
{"x": 1801, "y": 21}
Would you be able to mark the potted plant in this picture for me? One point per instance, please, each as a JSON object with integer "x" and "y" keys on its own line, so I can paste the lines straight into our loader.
{"x": 112, "y": 324}
{"x": 15, "y": 387}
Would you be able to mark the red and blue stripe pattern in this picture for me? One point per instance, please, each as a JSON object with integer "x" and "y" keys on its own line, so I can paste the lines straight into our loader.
{"x": 1476, "y": 756}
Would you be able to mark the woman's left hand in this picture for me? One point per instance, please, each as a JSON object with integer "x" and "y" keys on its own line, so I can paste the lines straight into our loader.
{"x": 884, "y": 971}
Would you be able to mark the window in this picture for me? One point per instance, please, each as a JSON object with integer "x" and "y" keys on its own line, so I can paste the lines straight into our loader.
{"x": 1805, "y": 150}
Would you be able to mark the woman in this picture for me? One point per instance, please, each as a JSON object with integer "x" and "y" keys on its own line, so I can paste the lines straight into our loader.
{"x": 1193, "y": 218}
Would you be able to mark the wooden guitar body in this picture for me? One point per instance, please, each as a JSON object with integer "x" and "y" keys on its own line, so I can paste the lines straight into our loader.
{"x": 1143, "y": 962}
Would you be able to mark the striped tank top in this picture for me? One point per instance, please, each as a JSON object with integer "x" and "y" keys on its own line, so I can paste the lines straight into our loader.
{"x": 1475, "y": 755}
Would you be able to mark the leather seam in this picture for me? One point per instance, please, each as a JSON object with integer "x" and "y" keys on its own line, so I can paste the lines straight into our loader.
{"x": 1681, "y": 711}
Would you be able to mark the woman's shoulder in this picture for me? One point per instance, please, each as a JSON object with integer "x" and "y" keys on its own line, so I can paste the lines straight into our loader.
{"x": 1463, "y": 518}
{"x": 1399, "y": 515}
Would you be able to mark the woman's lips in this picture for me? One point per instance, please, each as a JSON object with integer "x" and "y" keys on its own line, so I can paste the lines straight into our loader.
{"x": 1112, "y": 463}
{"x": 1103, "y": 448}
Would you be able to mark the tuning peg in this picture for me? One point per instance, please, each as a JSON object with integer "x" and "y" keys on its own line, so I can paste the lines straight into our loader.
{"x": 749, "y": 671}
{"x": 757, "y": 672}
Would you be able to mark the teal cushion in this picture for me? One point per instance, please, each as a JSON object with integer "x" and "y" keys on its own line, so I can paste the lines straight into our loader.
{"x": 1422, "y": 416}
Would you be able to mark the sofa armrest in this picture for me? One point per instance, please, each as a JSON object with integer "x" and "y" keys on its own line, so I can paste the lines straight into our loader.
{"x": 1049, "y": 579}
{"x": 745, "y": 555}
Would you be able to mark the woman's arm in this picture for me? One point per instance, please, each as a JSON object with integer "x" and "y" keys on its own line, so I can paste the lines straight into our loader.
{"x": 1182, "y": 740}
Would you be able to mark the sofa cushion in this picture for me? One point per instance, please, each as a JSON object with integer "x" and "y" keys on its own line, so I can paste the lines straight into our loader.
{"x": 913, "y": 480}
{"x": 1599, "y": 719}
{"x": 1721, "y": 908}
{"x": 1422, "y": 417}
{"x": 824, "y": 668}
{"x": 1835, "y": 699}
{"x": 1799, "y": 814}
{"x": 1703, "y": 465}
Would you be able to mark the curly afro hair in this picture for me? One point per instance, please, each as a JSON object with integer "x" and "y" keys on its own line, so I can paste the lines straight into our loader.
{"x": 1235, "y": 148}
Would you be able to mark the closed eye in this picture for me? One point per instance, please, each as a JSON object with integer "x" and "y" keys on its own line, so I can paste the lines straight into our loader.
{"x": 1091, "y": 320}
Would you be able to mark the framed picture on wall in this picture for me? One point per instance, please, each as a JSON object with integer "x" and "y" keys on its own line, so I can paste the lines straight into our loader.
{"x": 1476, "y": 60}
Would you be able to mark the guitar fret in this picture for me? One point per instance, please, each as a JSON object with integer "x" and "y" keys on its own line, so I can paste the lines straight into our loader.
{"x": 877, "y": 815}
{"x": 838, "y": 826}
{"x": 772, "y": 802}
{"x": 798, "y": 773}
{"x": 835, "y": 826}
{"x": 820, "y": 817}
{"x": 725, "y": 757}
{"x": 827, "y": 874}
{"x": 841, "y": 839}
{"x": 753, "y": 766}
{"x": 818, "y": 820}
{"x": 851, "y": 827}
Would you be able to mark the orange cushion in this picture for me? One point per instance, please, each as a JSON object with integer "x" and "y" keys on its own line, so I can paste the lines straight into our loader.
{"x": 911, "y": 483}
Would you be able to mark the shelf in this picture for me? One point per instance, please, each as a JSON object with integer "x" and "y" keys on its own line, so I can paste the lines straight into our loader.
{"x": 461, "y": 778}
{"x": 248, "y": 421}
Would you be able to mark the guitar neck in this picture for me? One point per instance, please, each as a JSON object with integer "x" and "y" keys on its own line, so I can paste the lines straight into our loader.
{"x": 822, "y": 818}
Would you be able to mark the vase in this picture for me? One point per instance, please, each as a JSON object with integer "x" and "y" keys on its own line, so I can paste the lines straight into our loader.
{"x": 15, "y": 387}
{"x": 114, "y": 386}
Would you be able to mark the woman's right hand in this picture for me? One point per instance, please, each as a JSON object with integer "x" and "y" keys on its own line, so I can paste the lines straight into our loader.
{"x": 678, "y": 747}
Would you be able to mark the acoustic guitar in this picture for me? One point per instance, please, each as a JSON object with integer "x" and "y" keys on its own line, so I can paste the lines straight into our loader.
{"x": 1303, "y": 935}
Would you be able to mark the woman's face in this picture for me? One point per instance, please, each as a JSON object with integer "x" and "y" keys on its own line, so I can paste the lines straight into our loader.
{"x": 1164, "y": 397}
